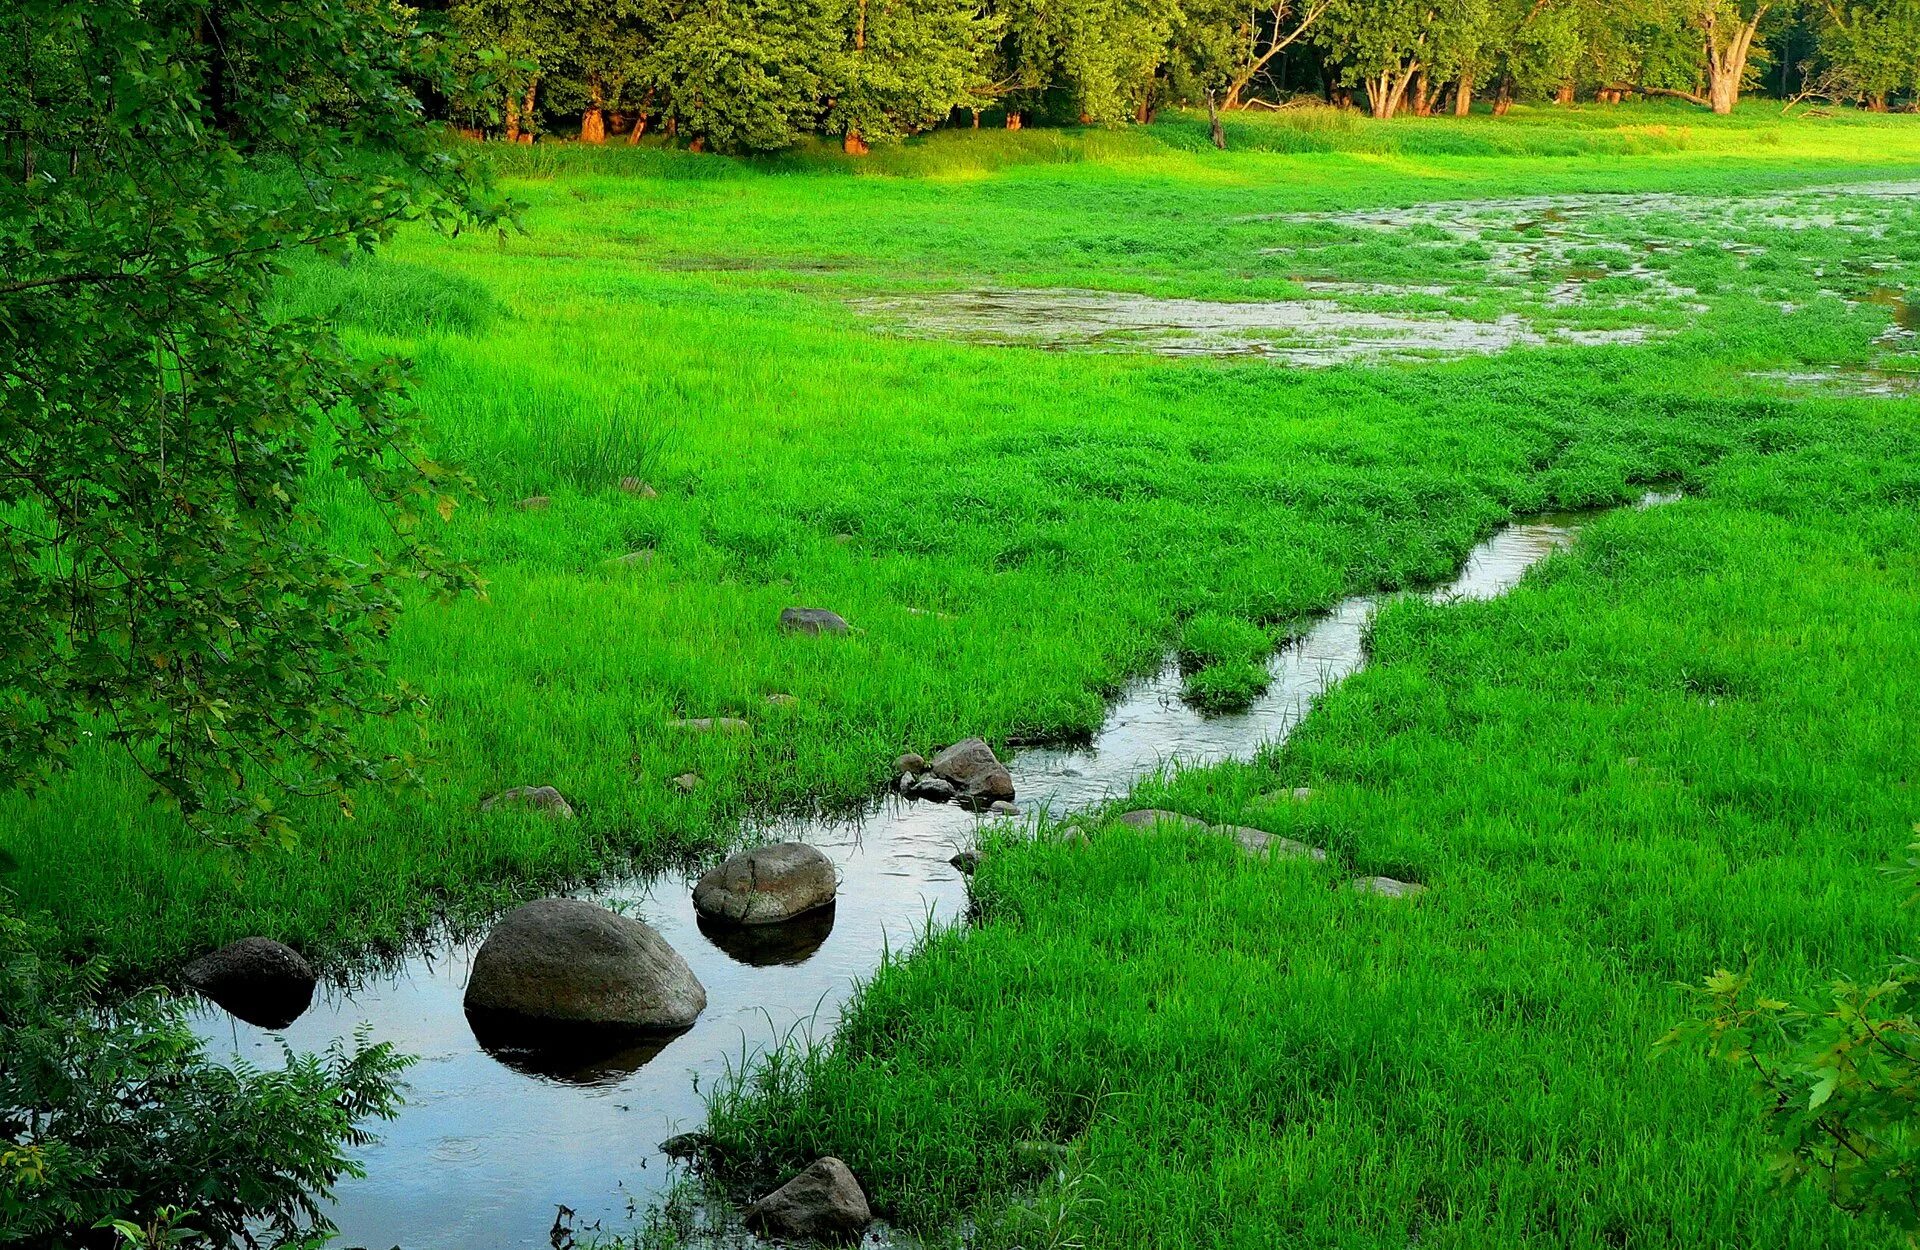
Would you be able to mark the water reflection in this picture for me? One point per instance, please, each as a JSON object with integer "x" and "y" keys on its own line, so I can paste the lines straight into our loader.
{"x": 771, "y": 945}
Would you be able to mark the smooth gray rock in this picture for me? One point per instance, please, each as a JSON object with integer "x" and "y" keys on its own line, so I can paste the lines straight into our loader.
{"x": 812, "y": 621}
{"x": 1152, "y": 817}
{"x": 1260, "y": 842}
{"x": 257, "y": 979}
{"x": 967, "y": 862}
{"x": 823, "y": 1203}
{"x": 1388, "y": 887}
{"x": 780, "y": 698}
{"x": 933, "y": 789}
{"x": 973, "y": 770}
{"x": 686, "y": 783}
{"x": 537, "y": 798}
{"x": 1000, "y": 807}
{"x": 563, "y": 960}
{"x": 642, "y": 556}
{"x": 686, "y": 1145}
{"x": 767, "y": 884}
{"x": 911, "y": 762}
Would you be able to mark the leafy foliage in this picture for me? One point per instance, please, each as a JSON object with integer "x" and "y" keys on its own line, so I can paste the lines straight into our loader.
{"x": 117, "y": 1115}
{"x": 1840, "y": 1081}
{"x": 164, "y": 581}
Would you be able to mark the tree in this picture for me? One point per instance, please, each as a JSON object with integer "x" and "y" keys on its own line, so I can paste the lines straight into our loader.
{"x": 1872, "y": 47}
{"x": 1388, "y": 45}
{"x": 602, "y": 59}
{"x": 1226, "y": 45}
{"x": 519, "y": 39}
{"x": 747, "y": 75}
{"x": 905, "y": 65}
{"x": 165, "y": 582}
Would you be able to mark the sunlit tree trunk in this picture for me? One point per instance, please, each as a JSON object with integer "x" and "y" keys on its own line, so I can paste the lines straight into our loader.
{"x": 1463, "y": 94}
{"x": 593, "y": 121}
{"x": 1727, "y": 53}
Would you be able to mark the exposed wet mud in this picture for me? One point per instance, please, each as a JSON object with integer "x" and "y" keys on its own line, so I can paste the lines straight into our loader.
{"x": 1304, "y": 332}
{"x": 495, "y": 1134}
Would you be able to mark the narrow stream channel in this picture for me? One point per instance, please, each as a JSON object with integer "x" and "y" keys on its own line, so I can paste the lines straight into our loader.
{"x": 486, "y": 1147}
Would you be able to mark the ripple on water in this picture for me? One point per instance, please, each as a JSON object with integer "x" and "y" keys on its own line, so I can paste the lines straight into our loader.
{"x": 490, "y": 1142}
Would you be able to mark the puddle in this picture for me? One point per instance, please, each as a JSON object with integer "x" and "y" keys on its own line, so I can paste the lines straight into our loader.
{"x": 487, "y": 1147}
{"x": 1860, "y": 380}
{"x": 1906, "y": 313}
{"x": 1310, "y": 332}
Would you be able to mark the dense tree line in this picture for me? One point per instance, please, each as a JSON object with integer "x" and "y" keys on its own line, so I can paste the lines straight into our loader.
{"x": 753, "y": 75}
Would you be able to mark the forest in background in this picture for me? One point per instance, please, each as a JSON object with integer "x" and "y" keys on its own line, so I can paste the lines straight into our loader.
{"x": 756, "y": 75}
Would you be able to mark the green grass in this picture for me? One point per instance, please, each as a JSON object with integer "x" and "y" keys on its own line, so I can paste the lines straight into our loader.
{"x": 1687, "y": 744}
{"x": 685, "y": 320}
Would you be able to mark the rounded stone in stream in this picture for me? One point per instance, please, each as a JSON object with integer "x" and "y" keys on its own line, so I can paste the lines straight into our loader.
{"x": 911, "y": 762}
{"x": 1000, "y": 807}
{"x": 537, "y": 798}
{"x": 811, "y": 621}
{"x": 562, "y": 962}
{"x": 823, "y": 1203}
{"x": 257, "y": 979}
{"x": 976, "y": 774}
{"x": 767, "y": 885}
{"x": 968, "y": 862}
{"x": 934, "y": 789}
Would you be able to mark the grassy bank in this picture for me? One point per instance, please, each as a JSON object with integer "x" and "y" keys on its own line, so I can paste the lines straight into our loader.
{"x": 1687, "y": 744}
{"x": 688, "y": 320}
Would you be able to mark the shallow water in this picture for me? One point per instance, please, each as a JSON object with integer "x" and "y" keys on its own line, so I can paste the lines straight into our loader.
{"x": 1306, "y": 332}
{"x": 488, "y": 1146}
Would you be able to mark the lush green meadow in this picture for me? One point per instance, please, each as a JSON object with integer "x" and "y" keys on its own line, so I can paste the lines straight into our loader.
{"x": 686, "y": 320}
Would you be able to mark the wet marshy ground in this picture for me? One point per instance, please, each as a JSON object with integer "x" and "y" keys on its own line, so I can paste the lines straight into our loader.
{"x": 495, "y": 1137}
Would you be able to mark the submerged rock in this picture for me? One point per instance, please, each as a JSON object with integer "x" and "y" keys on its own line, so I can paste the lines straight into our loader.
{"x": 687, "y": 1145}
{"x": 537, "y": 798}
{"x": 569, "y": 962}
{"x": 1388, "y": 887}
{"x": 974, "y": 772}
{"x": 1260, "y": 842}
{"x": 1153, "y": 817}
{"x": 823, "y": 1203}
{"x": 812, "y": 621}
{"x": 1000, "y": 807}
{"x": 767, "y": 884}
{"x": 968, "y": 862}
{"x": 261, "y": 981}
{"x": 933, "y": 789}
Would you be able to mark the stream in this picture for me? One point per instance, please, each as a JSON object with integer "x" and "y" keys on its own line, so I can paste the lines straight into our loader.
{"x": 487, "y": 1147}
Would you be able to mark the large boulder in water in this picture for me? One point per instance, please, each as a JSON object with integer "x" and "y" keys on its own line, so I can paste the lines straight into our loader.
{"x": 823, "y": 1203}
{"x": 561, "y": 960}
{"x": 257, "y": 979}
{"x": 767, "y": 885}
{"x": 975, "y": 773}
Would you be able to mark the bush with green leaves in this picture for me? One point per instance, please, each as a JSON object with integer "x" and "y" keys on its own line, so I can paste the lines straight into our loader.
{"x": 116, "y": 1114}
{"x": 164, "y": 583}
{"x": 1839, "y": 1079}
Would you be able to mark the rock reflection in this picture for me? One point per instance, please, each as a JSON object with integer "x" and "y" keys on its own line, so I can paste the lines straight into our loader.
{"x": 788, "y": 944}
{"x": 571, "y": 1054}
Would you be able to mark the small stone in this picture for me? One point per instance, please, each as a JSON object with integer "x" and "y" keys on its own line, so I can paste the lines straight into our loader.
{"x": 261, "y": 981}
{"x": 1302, "y": 793}
{"x": 1000, "y": 807}
{"x": 686, "y": 783}
{"x": 843, "y": 539}
{"x": 712, "y": 724}
{"x": 823, "y": 1203}
{"x": 1387, "y": 887}
{"x": 644, "y": 556}
{"x": 1152, "y": 817}
{"x": 538, "y": 798}
{"x": 966, "y": 862}
{"x": 780, "y": 699}
{"x": 933, "y": 789}
{"x": 634, "y": 486}
{"x": 767, "y": 885}
{"x": 974, "y": 771}
{"x": 535, "y": 503}
{"x": 910, "y": 763}
{"x": 811, "y": 621}
{"x": 1260, "y": 842}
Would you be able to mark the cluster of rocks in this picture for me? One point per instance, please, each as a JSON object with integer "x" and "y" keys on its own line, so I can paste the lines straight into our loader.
{"x": 967, "y": 772}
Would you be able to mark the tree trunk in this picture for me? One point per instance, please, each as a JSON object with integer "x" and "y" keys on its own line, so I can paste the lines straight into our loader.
{"x": 1013, "y": 120}
{"x": 1418, "y": 89}
{"x": 526, "y": 110}
{"x": 699, "y": 144}
{"x": 1463, "y": 94}
{"x": 1215, "y": 131}
{"x": 1565, "y": 94}
{"x": 1143, "y": 113}
{"x": 1877, "y": 102}
{"x": 640, "y": 120}
{"x": 853, "y": 144}
{"x": 976, "y": 119}
{"x": 1504, "y": 99}
{"x": 513, "y": 116}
